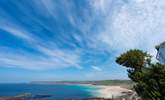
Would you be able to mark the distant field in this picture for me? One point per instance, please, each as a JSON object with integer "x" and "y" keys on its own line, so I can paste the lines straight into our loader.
{"x": 113, "y": 82}
{"x": 122, "y": 83}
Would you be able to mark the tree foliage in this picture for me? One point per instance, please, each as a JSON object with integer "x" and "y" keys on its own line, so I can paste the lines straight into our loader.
{"x": 149, "y": 78}
{"x": 133, "y": 59}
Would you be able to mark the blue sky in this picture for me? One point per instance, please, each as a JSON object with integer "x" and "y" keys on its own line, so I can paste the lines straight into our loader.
{"x": 75, "y": 39}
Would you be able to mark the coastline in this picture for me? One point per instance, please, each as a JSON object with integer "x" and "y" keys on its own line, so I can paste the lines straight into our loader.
{"x": 112, "y": 91}
{"x": 95, "y": 91}
{"x": 107, "y": 91}
{"x": 103, "y": 91}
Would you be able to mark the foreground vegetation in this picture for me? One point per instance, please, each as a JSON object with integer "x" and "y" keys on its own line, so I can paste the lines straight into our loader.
{"x": 149, "y": 78}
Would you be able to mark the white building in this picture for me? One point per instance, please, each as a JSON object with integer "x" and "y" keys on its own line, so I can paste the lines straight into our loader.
{"x": 161, "y": 52}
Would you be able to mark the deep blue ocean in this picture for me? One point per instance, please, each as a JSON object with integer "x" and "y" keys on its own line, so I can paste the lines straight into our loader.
{"x": 57, "y": 92}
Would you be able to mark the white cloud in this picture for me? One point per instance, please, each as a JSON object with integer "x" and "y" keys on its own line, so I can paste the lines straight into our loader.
{"x": 16, "y": 32}
{"x": 64, "y": 56}
{"x": 49, "y": 5}
{"x": 139, "y": 25}
{"x": 96, "y": 68}
{"x": 54, "y": 57}
{"x": 51, "y": 55}
{"x": 101, "y": 6}
{"x": 14, "y": 29}
{"x": 22, "y": 59}
{"x": 123, "y": 24}
{"x": 140, "y": 1}
{"x": 133, "y": 25}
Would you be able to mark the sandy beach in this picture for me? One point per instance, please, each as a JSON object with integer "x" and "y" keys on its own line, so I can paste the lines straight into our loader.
{"x": 111, "y": 91}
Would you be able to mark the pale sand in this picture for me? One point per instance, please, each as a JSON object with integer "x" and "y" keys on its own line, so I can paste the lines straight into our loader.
{"x": 109, "y": 91}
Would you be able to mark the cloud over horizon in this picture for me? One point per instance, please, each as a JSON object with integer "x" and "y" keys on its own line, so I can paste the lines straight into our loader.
{"x": 55, "y": 34}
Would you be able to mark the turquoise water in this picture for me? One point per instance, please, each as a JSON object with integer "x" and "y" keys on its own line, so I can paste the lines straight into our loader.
{"x": 57, "y": 92}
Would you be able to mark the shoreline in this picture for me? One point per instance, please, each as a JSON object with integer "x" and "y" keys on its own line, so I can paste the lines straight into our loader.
{"x": 97, "y": 91}
{"x": 108, "y": 91}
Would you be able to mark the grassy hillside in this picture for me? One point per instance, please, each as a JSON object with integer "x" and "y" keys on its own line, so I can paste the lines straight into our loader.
{"x": 122, "y": 83}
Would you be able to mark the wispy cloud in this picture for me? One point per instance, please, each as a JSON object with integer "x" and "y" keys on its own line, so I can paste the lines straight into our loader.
{"x": 96, "y": 68}
{"x": 51, "y": 57}
{"x": 21, "y": 59}
{"x": 131, "y": 24}
{"x": 77, "y": 34}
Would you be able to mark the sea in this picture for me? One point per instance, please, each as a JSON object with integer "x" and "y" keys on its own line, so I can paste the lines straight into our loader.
{"x": 56, "y": 92}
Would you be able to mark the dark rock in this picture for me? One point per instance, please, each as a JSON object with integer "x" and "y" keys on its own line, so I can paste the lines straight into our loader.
{"x": 26, "y": 96}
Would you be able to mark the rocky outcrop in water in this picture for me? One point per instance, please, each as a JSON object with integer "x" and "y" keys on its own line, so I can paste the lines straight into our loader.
{"x": 26, "y": 96}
